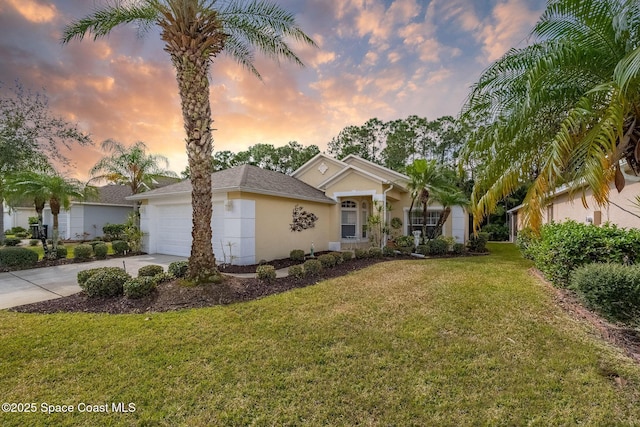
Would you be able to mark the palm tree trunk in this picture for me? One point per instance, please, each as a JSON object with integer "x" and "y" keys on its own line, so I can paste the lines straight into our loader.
{"x": 39, "y": 204}
{"x": 194, "y": 92}
{"x": 437, "y": 231}
{"x": 54, "y": 204}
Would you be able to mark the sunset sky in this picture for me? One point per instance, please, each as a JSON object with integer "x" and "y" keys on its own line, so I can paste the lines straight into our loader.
{"x": 376, "y": 58}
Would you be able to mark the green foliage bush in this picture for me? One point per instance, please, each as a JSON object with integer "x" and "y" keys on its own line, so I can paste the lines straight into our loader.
{"x": 296, "y": 255}
{"x": 114, "y": 232}
{"x": 375, "y": 252}
{"x": 338, "y": 257}
{"x": 100, "y": 250}
{"x": 497, "y": 232}
{"x": 296, "y": 271}
{"x": 524, "y": 240}
{"x": 18, "y": 257}
{"x": 34, "y": 242}
{"x": 178, "y": 269}
{"x": 120, "y": 247}
{"x": 22, "y": 234}
{"x": 82, "y": 252}
{"x": 327, "y": 261}
{"x": 84, "y": 275}
{"x": 438, "y": 247}
{"x": 12, "y": 241}
{"x": 361, "y": 253}
{"x": 312, "y": 267}
{"x": 18, "y": 229}
{"x": 611, "y": 289}
{"x": 62, "y": 252}
{"x": 139, "y": 287}
{"x": 347, "y": 255}
{"x": 458, "y": 248}
{"x": 388, "y": 251}
{"x": 405, "y": 241}
{"x": 162, "y": 278}
{"x": 93, "y": 243}
{"x": 150, "y": 270}
{"x": 266, "y": 273}
{"x": 106, "y": 283}
{"x": 563, "y": 247}
{"x": 422, "y": 249}
{"x": 478, "y": 243}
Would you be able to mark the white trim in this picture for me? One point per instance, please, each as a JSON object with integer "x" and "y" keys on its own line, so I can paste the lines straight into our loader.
{"x": 357, "y": 170}
{"x": 307, "y": 165}
{"x": 353, "y": 193}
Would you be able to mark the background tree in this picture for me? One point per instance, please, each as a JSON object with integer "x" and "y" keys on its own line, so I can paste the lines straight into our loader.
{"x": 194, "y": 33}
{"x": 565, "y": 110}
{"x": 31, "y": 137}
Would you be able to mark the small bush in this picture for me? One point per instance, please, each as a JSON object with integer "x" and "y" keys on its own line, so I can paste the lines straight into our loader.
{"x": 388, "y": 251}
{"x": 120, "y": 247}
{"x": 458, "y": 248}
{"x": 114, "y": 232}
{"x": 422, "y": 249}
{"x": 93, "y": 243}
{"x": 18, "y": 229}
{"x": 405, "y": 241}
{"x": 100, "y": 250}
{"x": 82, "y": 252}
{"x": 437, "y": 247}
{"x": 296, "y": 255}
{"x": 12, "y": 241}
{"x": 22, "y": 235}
{"x": 84, "y": 275}
{"x": 611, "y": 289}
{"x": 296, "y": 271}
{"x": 327, "y": 261}
{"x": 150, "y": 270}
{"x": 34, "y": 242}
{"x": 312, "y": 267}
{"x": 266, "y": 273}
{"x": 478, "y": 243}
{"x": 139, "y": 287}
{"x": 375, "y": 252}
{"x": 162, "y": 278}
{"x": 18, "y": 257}
{"x": 62, "y": 252}
{"x": 497, "y": 232}
{"x": 347, "y": 256}
{"x": 361, "y": 253}
{"x": 178, "y": 269}
{"x": 338, "y": 257}
{"x": 106, "y": 283}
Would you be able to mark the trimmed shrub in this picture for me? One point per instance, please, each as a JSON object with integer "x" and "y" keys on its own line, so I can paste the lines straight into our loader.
{"x": 361, "y": 253}
{"x": 114, "y": 232}
{"x": 139, "y": 287}
{"x": 611, "y": 289}
{"x": 120, "y": 247}
{"x": 458, "y": 248}
{"x": 388, "y": 251}
{"x": 338, "y": 257}
{"x": 375, "y": 252}
{"x": 347, "y": 255}
{"x": 312, "y": 267}
{"x": 18, "y": 257}
{"x": 327, "y": 260}
{"x": 93, "y": 243}
{"x": 296, "y": 255}
{"x": 296, "y": 271}
{"x": 478, "y": 243}
{"x": 106, "y": 283}
{"x": 150, "y": 270}
{"x": 266, "y": 273}
{"x": 100, "y": 250}
{"x": 12, "y": 241}
{"x": 162, "y": 278}
{"x": 84, "y": 275}
{"x": 34, "y": 242}
{"x": 524, "y": 240}
{"x": 18, "y": 229}
{"x": 422, "y": 249}
{"x": 62, "y": 252}
{"x": 405, "y": 241}
{"x": 437, "y": 247}
{"x": 22, "y": 234}
{"x": 178, "y": 269}
{"x": 82, "y": 252}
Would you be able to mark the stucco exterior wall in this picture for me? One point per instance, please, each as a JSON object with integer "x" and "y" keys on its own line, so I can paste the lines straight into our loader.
{"x": 18, "y": 217}
{"x": 312, "y": 173}
{"x": 273, "y": 236}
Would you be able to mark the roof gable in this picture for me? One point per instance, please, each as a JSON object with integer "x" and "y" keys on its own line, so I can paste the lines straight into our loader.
{"x": 375, "y": 168}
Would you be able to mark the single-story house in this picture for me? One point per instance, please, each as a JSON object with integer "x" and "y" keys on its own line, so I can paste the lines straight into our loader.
{"x": 18, "y": 215}
{"x": 263, "y": 215}
{"x": 563, "y": 206}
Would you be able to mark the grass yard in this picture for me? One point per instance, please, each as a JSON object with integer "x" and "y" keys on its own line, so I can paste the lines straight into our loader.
{"x": 461, "y": 341}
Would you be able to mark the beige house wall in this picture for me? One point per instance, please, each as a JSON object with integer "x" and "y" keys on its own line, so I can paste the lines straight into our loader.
{"x": 374, "y": 169}
{"x": 353, "y": 181}
{"x": 312, "y": 172}
{"x": 274, "y": 238}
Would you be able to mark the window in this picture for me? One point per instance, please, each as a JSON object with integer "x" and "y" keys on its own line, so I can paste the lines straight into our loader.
{"x": 349, "y": 217}
{"x": 417, "y": 220}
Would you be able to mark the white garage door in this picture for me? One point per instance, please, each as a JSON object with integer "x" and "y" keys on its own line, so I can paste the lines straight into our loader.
{"x": 174, "y": 229}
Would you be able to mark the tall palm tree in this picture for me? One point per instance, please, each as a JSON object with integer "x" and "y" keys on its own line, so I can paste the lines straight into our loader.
{"x": 448, "y": 199}
{"x": 130, "y": 166}
{"x": 54, "y": 188}
{"x": 427, "y": 178}
{"x": 194, "y": 33}
{"x": 564, "y": 110}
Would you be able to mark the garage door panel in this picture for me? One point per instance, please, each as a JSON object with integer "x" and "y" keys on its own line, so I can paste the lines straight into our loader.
{"x": 174, "y": 230}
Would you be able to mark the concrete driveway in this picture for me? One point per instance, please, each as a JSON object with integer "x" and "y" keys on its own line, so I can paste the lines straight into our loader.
{"x": 40, "y": 284}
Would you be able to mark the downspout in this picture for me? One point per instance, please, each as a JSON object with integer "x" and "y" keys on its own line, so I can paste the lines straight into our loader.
{"x": 384, "y": 214}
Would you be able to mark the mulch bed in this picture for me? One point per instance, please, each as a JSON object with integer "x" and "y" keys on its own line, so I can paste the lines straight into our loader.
{"x": 622, "y": 337}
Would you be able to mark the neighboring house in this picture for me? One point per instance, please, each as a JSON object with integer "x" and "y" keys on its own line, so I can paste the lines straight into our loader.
{"x": 563, "y": 206}
{"x": 18, "y": 216}
{"x": 254, "y": 210}
{"x": 84, "y": 220}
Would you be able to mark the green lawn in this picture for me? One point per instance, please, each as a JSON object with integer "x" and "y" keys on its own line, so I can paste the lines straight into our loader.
{"x": 463, "y": 341}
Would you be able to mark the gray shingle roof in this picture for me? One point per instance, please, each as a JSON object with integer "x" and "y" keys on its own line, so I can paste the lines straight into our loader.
{"x": 250, "y": 179}
{"x": 114, "y": 195}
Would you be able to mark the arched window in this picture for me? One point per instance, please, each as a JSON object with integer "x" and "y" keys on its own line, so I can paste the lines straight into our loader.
{"x": 349, "y": 217}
